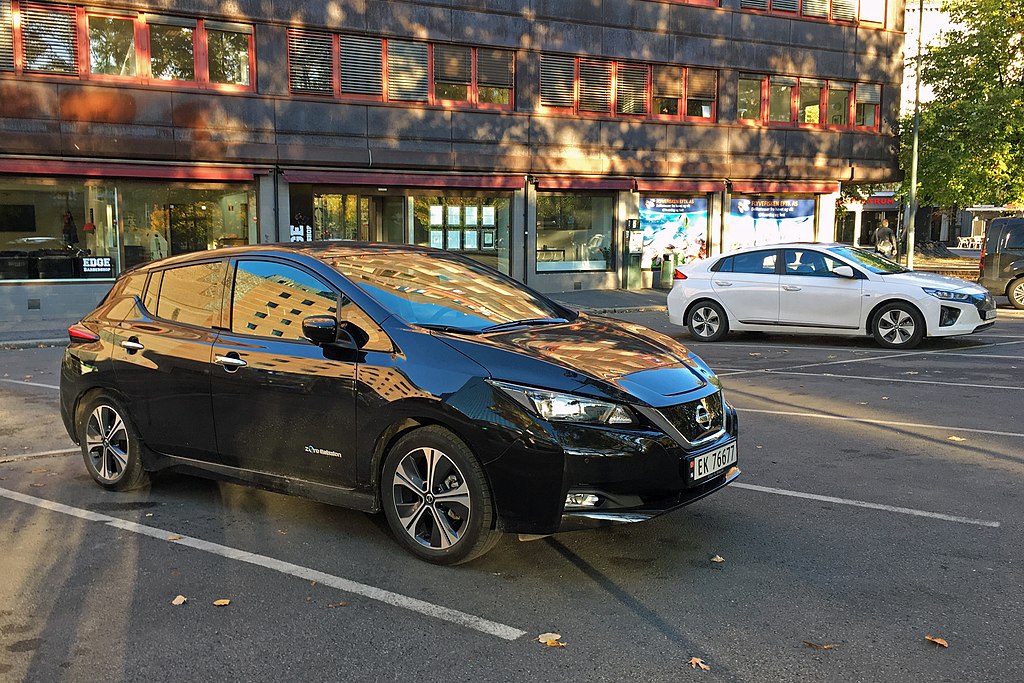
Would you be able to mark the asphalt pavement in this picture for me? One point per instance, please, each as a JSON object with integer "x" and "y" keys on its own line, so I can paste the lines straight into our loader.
{"x": 879, "y": 505}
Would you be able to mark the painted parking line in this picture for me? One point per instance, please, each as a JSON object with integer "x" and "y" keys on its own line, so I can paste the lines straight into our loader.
{"x": 865, "y": 504}
{"x": 14, "y": 457}
{"x": 769, "y": 371}
{"x": 31, "y": 384}
{"x": 887, "y": 423}
{"x": 405, "y": 602}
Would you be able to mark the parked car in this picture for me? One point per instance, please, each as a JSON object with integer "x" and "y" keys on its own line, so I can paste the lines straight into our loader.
{"x": 398, "y": 379}
{"x": 832, "y": 289}
{"x": 1002, "y": 260}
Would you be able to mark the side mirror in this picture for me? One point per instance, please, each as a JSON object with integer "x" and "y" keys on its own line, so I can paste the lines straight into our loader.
{"x": 320, "y": 329}
{"x": 843, "y": 271}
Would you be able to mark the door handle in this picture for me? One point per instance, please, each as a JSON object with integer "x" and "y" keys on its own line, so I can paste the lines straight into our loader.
{"x": 723, "y": 283}
{"x": 230, "y": 362}
{"x": 132, "y": 345}
{"x": 791, "y": 288}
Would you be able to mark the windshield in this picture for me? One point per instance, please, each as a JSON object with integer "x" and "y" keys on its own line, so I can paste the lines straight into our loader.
{"x": 434, "y": 290}
{"x": 876, "y": 263}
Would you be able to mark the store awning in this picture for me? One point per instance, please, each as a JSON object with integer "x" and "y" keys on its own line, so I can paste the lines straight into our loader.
{"x": 487, "y": 182}
{"x": 91, "y": 169}
{"x": 784, "y": 187}
{"x": 689, "y": 186}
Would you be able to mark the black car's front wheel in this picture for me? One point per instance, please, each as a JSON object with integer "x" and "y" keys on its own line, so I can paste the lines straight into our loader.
{"x": 110, "y": 445}
{"x": 436, "y": 497}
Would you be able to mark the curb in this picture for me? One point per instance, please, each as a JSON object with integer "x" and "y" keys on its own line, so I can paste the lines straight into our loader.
{"x": 32, "y": 343}
{"x": 8, "y": 459}
{"x": 623, "y": 309}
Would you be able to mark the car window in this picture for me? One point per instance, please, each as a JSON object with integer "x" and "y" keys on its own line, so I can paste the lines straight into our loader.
{"x": 270, "y": 299}
{"x": 810, "y": 263}
{"x": 754, "y": 262}
{"x": 1015, "y": 237}
{"x": 425, "y": 288}
{"x": 153, "y": 291}
{"x": 868, "y": 260}
{"x": 363, "y": 329}
{"x": 723, "y": 266}
{"x": 192, "y": 294}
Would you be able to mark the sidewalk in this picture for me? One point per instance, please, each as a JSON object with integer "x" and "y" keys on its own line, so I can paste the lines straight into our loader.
{"x": 29, "y": 334}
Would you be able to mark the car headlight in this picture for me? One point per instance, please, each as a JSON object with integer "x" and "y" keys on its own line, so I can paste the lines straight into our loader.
{"x": 558, "y": 407}
{"x": 947, "y": 295}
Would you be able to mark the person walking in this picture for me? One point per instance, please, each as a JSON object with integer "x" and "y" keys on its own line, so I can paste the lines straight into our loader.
{"x": 885, "y": 240}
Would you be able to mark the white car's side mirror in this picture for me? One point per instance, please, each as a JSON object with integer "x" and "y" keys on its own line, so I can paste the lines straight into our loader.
{"x": 843, "y": 271}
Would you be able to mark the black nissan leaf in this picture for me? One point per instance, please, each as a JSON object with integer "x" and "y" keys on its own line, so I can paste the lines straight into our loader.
{"x": 393, "y": 378}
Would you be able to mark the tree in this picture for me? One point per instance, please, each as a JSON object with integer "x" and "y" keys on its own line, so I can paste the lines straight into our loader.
{"x": 971, "y": 134}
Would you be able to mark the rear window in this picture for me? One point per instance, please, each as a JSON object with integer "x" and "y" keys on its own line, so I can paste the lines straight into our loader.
{"x": 192, "y": 294}
{"x": 1015, "y": 237}
{"x": 755, "y": 262}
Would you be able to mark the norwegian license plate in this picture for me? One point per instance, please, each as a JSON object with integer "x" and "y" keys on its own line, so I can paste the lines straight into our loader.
{"x": 709, "y": 463}
{"x": 988, "y": 315}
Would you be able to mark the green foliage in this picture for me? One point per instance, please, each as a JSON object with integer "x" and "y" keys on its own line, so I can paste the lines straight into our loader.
{"x": 971, "y": 133}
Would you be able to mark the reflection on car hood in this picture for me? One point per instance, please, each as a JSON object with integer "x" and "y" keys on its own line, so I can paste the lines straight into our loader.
{"x": 922, "y": 279}
{"x": 640, "y": 361}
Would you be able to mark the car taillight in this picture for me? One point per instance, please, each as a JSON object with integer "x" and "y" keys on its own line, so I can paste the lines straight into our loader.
{"x": 981, "y": 258}
{"x": 82, "y": 334}
{"x": 678, "y": 275}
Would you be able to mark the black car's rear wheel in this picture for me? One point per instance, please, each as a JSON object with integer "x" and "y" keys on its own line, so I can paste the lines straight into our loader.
{"x": 707, "y": 321}
{"x": 1016, "y": 294}
{"x": 436, "y": 497}
{"x": 110, "y": 445}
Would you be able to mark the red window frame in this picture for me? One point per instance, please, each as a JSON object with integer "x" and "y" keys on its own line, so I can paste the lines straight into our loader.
{"x": 686, "y": 98}
{"x": 794, "y": 105}
{"x": 763, "y": 118}
{"x": 799, "y": 12}
{"x": 85, "y": 46}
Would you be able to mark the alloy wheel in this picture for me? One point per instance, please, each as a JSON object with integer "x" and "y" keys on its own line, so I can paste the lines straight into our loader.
{"x": 432, "y": 498}
{"x": 896, "y": 326}
{"x": 106, "y": 439}
{"x": 1017, "y": 295}
{"x": 705, "y": 321}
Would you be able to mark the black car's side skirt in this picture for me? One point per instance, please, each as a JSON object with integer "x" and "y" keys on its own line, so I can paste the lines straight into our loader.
{"x": 324, "y": 493}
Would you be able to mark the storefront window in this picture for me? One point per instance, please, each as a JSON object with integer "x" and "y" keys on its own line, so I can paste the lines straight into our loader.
{"x": 574, "y": 232}
{"x": 73, "y": 228}
{"x": 341, "y": 217}
{"x": 474, "y": 225}
{"x": 673, "y": 227}
{"x": 757, "y": 220}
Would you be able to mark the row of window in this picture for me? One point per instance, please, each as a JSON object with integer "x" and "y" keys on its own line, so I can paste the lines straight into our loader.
{"x": 786, "y": 100}
{"x": 57, "y": 38}
{"x": 864, "y": 11}
{"x": 390, "y": 70}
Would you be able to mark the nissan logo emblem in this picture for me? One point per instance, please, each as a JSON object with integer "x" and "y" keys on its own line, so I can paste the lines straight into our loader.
{"x": 703, "y": 416}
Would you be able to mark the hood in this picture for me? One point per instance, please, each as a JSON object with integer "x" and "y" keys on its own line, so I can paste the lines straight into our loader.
{"x": 923, "y": 279}
{"x": 644, "y": 363}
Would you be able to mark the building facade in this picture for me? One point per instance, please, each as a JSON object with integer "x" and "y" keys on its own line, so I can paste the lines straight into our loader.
{"x": 569, "y": 143}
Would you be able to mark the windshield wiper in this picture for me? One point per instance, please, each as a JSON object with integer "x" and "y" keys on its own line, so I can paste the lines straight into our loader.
{"x": 448, "y": 328}
{"x": 522, "y": 323}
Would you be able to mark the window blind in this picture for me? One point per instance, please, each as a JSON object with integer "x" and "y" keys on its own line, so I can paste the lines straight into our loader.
{"x": 701, "y": 84}
{"x": 311, "y": 68}
{"x": 6, "y": 36}
{"x": 596, "y": 86}
{"x": 362, "y": 70}
{"x": 844, "y": 10}
{"x": 632, "y": 89}
{"x": 50, "y": 37}
{"x": 816, "y": 8}
{"x": 869, "y": 93}
{"x": 668, "y": 81}
{"x": 407, "y": 71}
{"x": 754, "y": 4}
{"x": 557, "y": 76}
{"x": 495, "y": 68}
{"x": 453, "y": 64}
{"x": 785, "y": 5}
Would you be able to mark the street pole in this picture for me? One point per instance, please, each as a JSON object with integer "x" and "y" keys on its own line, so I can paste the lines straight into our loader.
{"x": 912, "y": 200}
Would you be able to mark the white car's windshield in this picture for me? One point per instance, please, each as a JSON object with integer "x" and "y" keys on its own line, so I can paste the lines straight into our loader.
{"x": 876, "y": 263}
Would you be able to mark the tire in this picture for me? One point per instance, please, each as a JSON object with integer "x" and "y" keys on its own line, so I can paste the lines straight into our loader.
{"x": 707, "y": 321}
{"x": 110, "y": 445}
{"x": 457, "y": 525}
{"x": 1016, "y": 294}
{"x": 898, "y": 326}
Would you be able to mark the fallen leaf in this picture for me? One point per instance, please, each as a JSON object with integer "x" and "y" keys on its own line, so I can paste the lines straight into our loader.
{"x": 180, "y": 600}
{"x": 756, "y": 355}
{"x": 283, "y": 532}
{"x": 862, "y": 403}
{"x": 38, "y": 470}
{"x": 698, "y": 662}
{"x": 955, "y": 438}
{"x": 718, "y": 558}
{"x": 885, "y": 398}
{"x": 174, "y": 537}
{"x": 941, "y": 642}
{"x": 149, "y": 514}
{"x": 222, "y": 603}
{"x": 337, "y": 604}
{"x": 816, "y": 646}
{"x": 551, "y": 639}
{"x": 38, "y": 485}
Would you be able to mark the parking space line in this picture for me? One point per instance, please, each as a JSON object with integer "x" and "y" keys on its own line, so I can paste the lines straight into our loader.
{"x": 14, "y": 457}
{"x": 864, "y": 504}
{"x": 31, "y": 384}
{"x": 405, "y": 602}
{"x": 768, "y": 371}
{"x": 887, "y": 423}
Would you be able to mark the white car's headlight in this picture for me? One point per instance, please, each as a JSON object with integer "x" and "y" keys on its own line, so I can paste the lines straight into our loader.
{"x": 947, "y": 295}
{"x": 558, "y": 407}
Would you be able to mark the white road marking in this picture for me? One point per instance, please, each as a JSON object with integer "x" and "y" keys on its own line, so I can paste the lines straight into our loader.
{"x": 14, "y": 457}
{"x": 887, "y": 423}
{"x": 864, "y": 504}
{"x": 31, "y": 384}
{"x": 476, "y": 623}
{"x": 891, "y": 379}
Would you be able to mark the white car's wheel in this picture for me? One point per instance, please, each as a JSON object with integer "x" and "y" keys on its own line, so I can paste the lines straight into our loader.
{"x": 707, "y": 321}
{"x": 898, "y": 326}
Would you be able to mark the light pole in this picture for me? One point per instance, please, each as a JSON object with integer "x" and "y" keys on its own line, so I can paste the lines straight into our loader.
{"x": 912, "y": 199}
